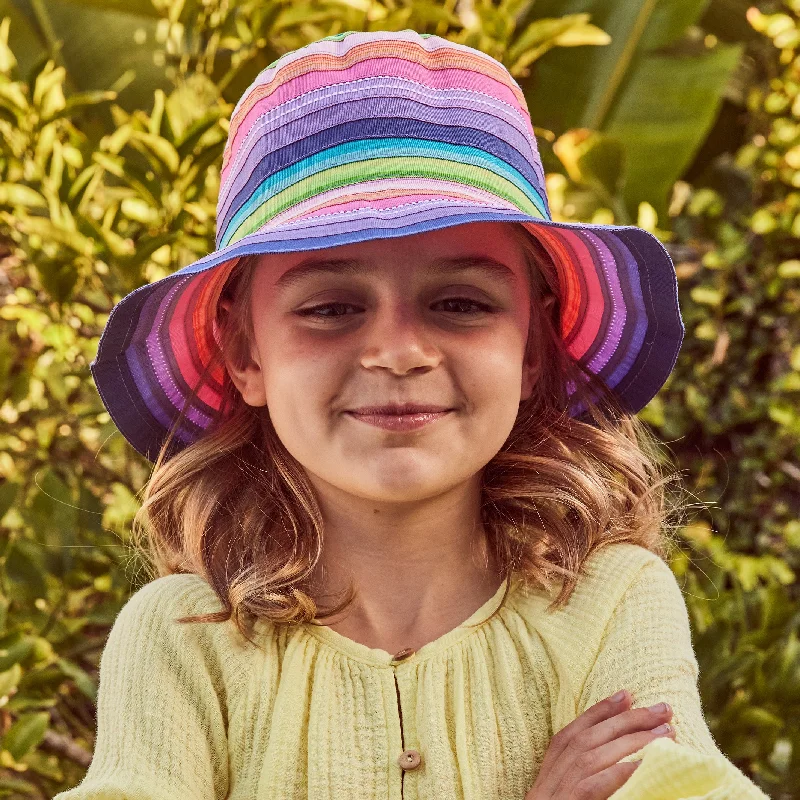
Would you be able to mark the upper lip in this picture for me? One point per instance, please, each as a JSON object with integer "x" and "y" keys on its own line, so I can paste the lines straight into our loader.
{"x": 405, "y": 408}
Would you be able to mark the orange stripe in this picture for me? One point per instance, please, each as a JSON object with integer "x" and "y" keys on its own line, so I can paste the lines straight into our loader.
{"x": 570, "y": 285}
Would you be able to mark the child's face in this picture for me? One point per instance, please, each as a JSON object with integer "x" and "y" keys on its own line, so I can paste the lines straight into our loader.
{"x": 393, "y": 340}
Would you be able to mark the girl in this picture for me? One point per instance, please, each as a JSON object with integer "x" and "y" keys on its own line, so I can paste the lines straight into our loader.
{"x": 392, "y": 420}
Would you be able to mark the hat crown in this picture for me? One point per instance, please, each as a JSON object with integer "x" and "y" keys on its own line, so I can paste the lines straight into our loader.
{"x": 374, "y": 121}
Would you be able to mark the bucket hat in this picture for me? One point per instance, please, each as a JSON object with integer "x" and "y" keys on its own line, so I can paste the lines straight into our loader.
{"x": 367, "y": 135}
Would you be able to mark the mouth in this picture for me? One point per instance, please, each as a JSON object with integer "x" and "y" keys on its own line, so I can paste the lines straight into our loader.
{"x": 399, "y": 410}
{"x": 400, "y": 422}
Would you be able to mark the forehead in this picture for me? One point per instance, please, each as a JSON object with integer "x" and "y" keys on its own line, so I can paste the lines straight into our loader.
{"x": 488, "y": 250}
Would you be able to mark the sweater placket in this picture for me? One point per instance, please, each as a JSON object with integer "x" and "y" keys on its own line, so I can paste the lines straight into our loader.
{"x": 404, "y": 674}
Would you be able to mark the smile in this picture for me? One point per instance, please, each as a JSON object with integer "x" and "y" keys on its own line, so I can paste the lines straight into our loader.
{"x": 399, "y": 422}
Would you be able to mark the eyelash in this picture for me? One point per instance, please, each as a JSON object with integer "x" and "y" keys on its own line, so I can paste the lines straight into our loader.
{"x": 310, "y": 312}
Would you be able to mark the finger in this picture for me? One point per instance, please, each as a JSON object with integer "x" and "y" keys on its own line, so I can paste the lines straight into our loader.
{"x": 599, "y": 712}
{"x": 554, "y": 766}
{"x": 602, "y": 785}
{"x": 596, "y": 761}
{"x": 632, "y": 720}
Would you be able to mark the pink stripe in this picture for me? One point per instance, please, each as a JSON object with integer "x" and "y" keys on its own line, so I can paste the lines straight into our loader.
{"x": 176, "y": 340}
{"x": 324, "y": 203}
{"x": 386, "y": 202}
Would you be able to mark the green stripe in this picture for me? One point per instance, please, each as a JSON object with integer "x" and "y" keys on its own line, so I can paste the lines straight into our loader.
{"x": 376, "y": 168}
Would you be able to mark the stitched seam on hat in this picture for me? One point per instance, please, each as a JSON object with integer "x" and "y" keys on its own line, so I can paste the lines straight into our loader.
{"x": 607, "y": 263}
{"x": 438, "y": 199}
{"x": 446, "y": 44}
{"x": 261, "y": 122}
{"x": 640, "y": 260}
{"x": 441, "y": 200}
{"x": 226, "y": 206}
{"x": 465, "y": 48}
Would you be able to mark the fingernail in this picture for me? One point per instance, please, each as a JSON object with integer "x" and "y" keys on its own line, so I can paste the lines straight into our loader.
{"x": 618, "y": 696}
{"x": 659, "y": 707}
{"x": 664, "y": 728}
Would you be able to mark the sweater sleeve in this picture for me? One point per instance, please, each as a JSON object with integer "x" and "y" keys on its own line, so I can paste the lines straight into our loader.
{"x": 161, "y": 711}
{"x": 647, "y": 649}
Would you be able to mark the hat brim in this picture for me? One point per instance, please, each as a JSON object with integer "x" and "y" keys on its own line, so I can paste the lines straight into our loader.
{"x": 620, "y": 314}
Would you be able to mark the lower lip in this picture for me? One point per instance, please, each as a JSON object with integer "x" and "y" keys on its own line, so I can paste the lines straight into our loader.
{"x": 399, "y": 422}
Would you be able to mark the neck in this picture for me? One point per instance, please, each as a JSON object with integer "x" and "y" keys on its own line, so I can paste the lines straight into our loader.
{"x": 418, "y": 572}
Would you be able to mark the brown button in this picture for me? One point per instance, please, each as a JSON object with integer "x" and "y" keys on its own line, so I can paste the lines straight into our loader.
{"x": 410, "y": 759}
{"x": 405, "y": 653}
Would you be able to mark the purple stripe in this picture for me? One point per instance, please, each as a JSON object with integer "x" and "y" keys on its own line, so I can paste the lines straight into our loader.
{"x": 142, "y": 373}
{"x": 636, "y": 328}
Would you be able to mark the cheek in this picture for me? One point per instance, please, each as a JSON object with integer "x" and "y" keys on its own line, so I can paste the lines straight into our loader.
{"x": 301, "y": 374}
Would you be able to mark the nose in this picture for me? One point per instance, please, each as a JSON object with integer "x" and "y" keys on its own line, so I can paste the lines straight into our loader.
{"x": 397, "y": 338}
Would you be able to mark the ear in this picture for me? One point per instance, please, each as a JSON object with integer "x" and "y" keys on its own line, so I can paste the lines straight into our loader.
{"x": 248, "y": 379}
{"x": 532, "y": 366}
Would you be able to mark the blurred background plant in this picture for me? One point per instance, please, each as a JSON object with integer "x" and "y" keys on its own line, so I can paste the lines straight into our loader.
{"x": 682, "y": 117}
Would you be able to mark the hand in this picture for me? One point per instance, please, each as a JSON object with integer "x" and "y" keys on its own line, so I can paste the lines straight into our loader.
{"x": 581, "y": 760}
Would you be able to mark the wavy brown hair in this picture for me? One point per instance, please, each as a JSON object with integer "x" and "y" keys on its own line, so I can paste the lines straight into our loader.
{"x": 237, "y": 509}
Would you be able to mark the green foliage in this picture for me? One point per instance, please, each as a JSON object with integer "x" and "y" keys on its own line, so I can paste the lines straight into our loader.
{"x": 652, "y": 93}
{"x": 88, "y": 214}
{"x": 731, "y": 408}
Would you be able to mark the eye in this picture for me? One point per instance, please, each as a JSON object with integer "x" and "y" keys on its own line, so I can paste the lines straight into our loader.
{"x": 317, "y": 311}
{"x": 464, "y": 301}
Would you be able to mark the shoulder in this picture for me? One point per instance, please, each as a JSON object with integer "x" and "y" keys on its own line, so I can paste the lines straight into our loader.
{"x": 618, "y": 584}
{"x": 624, "y": 582}
{"x": 148, "y": 625}
{"x": 171, "y": 596}
{"x": 613, "y": 571}
{"x": 607, "y": 577}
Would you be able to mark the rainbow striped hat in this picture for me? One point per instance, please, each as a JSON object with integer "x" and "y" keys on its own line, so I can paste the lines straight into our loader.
{"x": 361, "y": 136}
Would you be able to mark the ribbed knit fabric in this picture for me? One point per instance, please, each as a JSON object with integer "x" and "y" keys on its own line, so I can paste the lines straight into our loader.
{"x": 193, "y": 711}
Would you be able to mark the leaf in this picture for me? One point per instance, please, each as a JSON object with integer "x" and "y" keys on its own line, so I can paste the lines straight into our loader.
{"x": 163, "y": 150}
{"x": 145, "y": 248}
{"x": 81, "y": 679}
{"x": 542, "y": 30}
{"x": 98, "y": 46}
{"x": 78, "y": 102}
{"x": 55, "y": 233}
{"x": 14, "y": 649}
{"x": 20, "y": 195}
{"x": 659, "y": 106}
{"x": 194, "y": 133}
{"x": 8, "y": 494}
{"x": 790, "y": 268}
{"x": 47, "y": 80}
{"x": 13, "y": 97}
{"x": 584, "y": 34}
{"x": 137, "y": 209}
{"x": 9, "y": 680}
{"x": 26, "y": 733}
{"x": 706, "y": 295}
{"x": 7, "y": 58}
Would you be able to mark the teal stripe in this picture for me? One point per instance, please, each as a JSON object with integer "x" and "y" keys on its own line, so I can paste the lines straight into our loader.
{"x": 375, "y": 148}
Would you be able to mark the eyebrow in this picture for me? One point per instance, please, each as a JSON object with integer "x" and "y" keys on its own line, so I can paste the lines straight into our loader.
{"x": 351, "y": 266}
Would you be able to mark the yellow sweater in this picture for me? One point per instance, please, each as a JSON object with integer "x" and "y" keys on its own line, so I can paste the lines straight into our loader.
{"x": 195, "y": 712}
